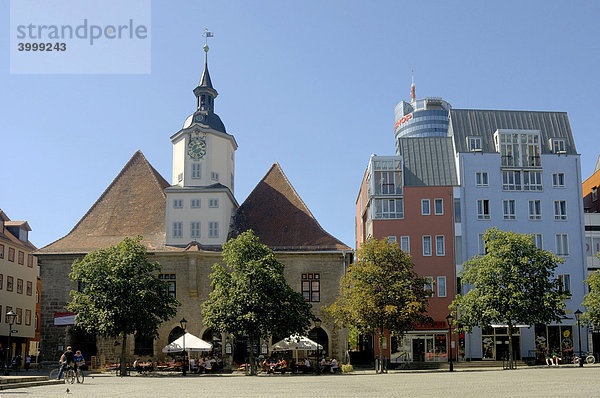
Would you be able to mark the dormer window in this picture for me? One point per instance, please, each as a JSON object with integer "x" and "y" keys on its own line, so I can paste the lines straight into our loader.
{"x": 519, "y": 148}
{"x": 474, "y": 144}
{"x": 558, "y": 145}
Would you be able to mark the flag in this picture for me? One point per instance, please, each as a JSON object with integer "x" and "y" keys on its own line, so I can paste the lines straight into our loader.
{"x": 209, "y": 34}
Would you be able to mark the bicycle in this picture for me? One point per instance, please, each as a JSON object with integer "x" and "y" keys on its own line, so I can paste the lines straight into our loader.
{"x": 70, "y": 374}
{"x": 589, "y": 359}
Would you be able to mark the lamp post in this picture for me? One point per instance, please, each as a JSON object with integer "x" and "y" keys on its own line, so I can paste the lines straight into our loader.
{"x": 449, "y": 319}
{"x": 318, "y": 326}
{"x": 10, "y": 316}
{"x": 578, "y": 314}
{"x": 183, "y": 324}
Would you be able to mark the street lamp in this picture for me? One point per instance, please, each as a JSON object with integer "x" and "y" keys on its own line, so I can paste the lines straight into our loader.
{"x": 318, "y": 326}
{"x": 578, "y": 314}
{"x": 183, "y": 324}
{"x": 10, "y": 317}
{"x": 449, "y": 319}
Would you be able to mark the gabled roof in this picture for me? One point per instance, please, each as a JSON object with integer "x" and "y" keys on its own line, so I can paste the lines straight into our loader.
{"x": 484, "y": 123}
{"x": 8, "y": 237}
{"x": 428, "y": 161}
{"x": 133, "y": 204}
{"x": 280, "y": 219}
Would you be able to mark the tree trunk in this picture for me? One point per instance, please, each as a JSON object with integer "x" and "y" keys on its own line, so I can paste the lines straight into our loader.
{"x": 379, "y": 366}
{"x": 252, "y": 361}
{"x": 510, "y": 346}
{"x": 123, "y": 354}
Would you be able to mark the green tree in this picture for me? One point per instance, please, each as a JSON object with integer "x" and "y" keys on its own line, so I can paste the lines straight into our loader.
{"x": 251, "y": 297}
{"x": 381, "y": 291}
{"x": 514, "y": 283}
{"x": 591, "y": 301}
{"x": 120, "y": 293}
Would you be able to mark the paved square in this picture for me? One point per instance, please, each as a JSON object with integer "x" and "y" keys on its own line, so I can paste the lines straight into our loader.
{"x": 524, "y": 382}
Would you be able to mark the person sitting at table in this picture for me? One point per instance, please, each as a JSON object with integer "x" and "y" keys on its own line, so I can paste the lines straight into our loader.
{"x": 208, "y": 364}
{"x": 307, "y": 367}
{"x": 293, "y": 366}
{"x": 281, "y": 365}
{"x": 334, "y": 365}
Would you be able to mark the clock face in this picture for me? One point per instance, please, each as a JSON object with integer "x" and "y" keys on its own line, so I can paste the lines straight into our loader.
{"x": 199, "y": 118}
{"x": 197, "y": 147}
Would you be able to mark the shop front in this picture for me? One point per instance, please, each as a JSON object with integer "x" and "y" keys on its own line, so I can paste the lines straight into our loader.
{"x": 557, "y": 339}
{"x": 495, "y": 342}
{"x": 421, "y": 346}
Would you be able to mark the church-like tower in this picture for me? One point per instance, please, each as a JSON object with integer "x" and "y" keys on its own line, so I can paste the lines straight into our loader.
{"x": 200, "y": 200}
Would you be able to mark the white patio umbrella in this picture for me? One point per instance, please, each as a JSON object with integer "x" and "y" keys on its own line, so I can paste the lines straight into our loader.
{"x": 296, "y": 343}
{"x": 192, "y": 343}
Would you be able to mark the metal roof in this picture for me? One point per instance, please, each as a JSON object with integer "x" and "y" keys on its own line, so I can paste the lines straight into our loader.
{"x": 474, "y": 122}
{"x": 428, "y": 161}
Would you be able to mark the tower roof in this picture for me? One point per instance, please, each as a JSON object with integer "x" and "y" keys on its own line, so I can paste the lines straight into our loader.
{"x": 133, "y": 204}
{"x": 279, "y": 217}
{"x": 205, "y": 80}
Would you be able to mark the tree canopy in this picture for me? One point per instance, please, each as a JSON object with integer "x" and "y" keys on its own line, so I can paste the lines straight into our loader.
{"x": 514, "y": 283}
{"x": 591, "y": 301}
{"x": 251, "y": 297}
{"x": 381, "y": 291}
{"x": 120, "y": 292}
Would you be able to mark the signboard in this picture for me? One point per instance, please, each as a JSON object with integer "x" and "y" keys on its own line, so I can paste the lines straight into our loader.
{"x": 402, "y": 120}
{"x": 64, "y": 318}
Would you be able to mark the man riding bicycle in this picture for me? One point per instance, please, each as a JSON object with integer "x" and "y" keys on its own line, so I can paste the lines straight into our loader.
{"x": 66, "y": 359}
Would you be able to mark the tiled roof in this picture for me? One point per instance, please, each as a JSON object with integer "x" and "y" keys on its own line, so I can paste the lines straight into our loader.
{"x": 280, "y": 219}
{"x": 8, "y": 237}
{"x": 133, "y": 204}
{"x": 428, "y": 161}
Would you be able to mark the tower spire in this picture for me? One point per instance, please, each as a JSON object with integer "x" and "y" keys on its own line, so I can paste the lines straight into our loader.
{"x": 205, "y": 93}
{"x": 412, "y": 86}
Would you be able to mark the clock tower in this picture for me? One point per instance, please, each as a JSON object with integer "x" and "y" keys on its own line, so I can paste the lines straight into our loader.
{"x": 200, "y": 200}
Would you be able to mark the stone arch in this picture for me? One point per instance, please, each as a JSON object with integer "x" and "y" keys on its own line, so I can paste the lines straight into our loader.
{"x": 320, "y": 336}
{"x": 211, "y": 336}
{"x": 175, "y": 333}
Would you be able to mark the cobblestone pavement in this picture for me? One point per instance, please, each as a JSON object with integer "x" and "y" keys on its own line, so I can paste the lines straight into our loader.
{"x": 524, "y": 382}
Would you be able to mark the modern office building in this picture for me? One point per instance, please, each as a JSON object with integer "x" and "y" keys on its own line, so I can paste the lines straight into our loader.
{"x": 519, "y": 171}
{"x": 408, "y": 199}
{"x": 18, "y": 288}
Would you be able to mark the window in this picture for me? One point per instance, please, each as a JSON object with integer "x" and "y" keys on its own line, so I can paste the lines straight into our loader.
{"x": 11, "y": 254}
{"x": 214, "y": 176}
{"x": 196, "y": 170}
{"x": 195, "y": 203}
{"x": 178, "y": 203}
{"x": 19, "y": 286}
{"x": 29, "y": 288}
{"x": 213, "y": 203}
{"x": 565, "y": 283}
{"x": 19, "y": 319}
{"x": 9, "y": 283}
{"x": 537, "y": 239}
{"x": 180, "y": 177}
{"x": 559, "y": 145}
{"x": 1, "y": 251}
{"x": 1, "y": 281}
{"x": 387, "y": 183}
{"x": 441, "y": 286}
{"x": 558, "y": 180}
{"x": 438, "y": 206}
{"x": 440, "y": 245}
{"x": 389, "y": 208}
{"x": 428, "y": 287}
{"x": 427, "y": 245}
{"x": 8, "y": 309}
{"x": 170, "y": 281}
{"x": 519, "y": 149}
{"x": 177, "y": 229}
{"x": 594, "y": 194}
{"x": 560, "y": 210}
{"x": 30, "y": 261}
{"x": 405, "y": 243}
{"x": 474, "y": 143}
{"x": 425, "y": 210}
{"x": 481, "y": 179}
{"x": 483, "y": 209}
{"x": 482, "y": 248}
{"x": 457, "y": 215}
{"x": 195, "y": 229}
{"x": 21, "y": 257}
{"x": 511, "y": 180}
{"x": 562, "y": 244}
{"x": 35, "y": 317}
{"x": 535, "y": 210}
{"x": 532, "y": 181}
{"x": 27, "y": 317}
{"x": 391, "y": 239}
{"x": 311, "y": 287}
{"x": 508, "y": 207}
{"x": 213, "y": 229}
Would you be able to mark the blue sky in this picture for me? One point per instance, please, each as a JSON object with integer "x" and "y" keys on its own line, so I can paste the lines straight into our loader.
{"x": 310, "y": 84}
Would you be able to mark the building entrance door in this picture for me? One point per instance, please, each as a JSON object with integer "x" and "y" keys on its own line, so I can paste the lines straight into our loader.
{"x": 501, "y": 347}
{"x": 418, "y": 348}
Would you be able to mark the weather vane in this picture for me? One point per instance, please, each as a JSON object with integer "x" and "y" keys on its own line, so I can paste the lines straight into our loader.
{"x": 207, "y": 34}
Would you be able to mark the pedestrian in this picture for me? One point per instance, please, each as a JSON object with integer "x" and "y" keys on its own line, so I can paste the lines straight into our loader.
{"x": 27, "y": 362}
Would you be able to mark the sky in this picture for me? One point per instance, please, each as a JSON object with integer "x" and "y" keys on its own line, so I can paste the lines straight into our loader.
{"x": 309, "y": 84}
